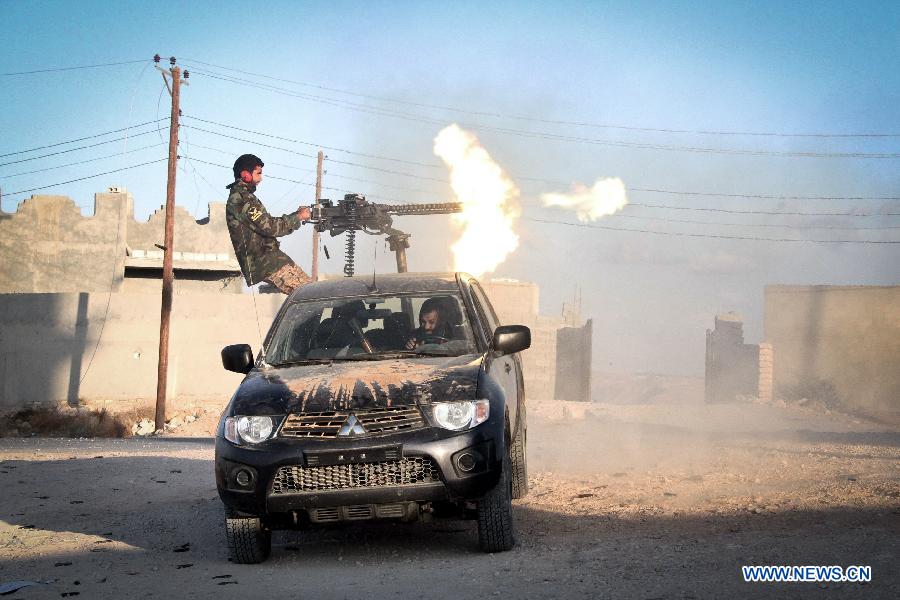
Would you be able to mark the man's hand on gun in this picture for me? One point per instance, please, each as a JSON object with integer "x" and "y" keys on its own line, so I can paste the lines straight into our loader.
{"x": 304, "y": 213}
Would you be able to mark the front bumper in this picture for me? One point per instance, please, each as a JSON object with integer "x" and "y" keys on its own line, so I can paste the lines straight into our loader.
{"x": 437, "y": 447}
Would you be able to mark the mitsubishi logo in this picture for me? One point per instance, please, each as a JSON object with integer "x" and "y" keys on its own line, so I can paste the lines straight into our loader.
{"x": 351, "y": 426}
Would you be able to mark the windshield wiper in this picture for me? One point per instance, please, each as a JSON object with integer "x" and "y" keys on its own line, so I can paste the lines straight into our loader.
{"x": 303, "y": 361}
{"x": 376, "y": 355}
{"x": 395, "y": 354}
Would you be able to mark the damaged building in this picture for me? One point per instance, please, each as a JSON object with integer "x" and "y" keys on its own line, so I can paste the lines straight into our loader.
{"x": 836, "y": 345}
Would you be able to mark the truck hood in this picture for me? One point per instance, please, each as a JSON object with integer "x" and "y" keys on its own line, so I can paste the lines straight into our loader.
{"x": 345, "y": 385}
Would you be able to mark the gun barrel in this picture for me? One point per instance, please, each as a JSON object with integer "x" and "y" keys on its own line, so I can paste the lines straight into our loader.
{"x": 424, "y": 209}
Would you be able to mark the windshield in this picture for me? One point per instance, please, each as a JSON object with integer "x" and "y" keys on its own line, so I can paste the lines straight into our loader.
{"x": 373, "y": 328}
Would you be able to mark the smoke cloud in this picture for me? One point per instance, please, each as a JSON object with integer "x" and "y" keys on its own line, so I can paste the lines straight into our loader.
{"x": 489, "y": 199}
{"x": 605, "y": 197}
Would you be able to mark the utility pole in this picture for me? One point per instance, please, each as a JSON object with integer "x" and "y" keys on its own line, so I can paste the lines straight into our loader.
{"x": 173, "y": 77}
{"x": 315, "y": 239}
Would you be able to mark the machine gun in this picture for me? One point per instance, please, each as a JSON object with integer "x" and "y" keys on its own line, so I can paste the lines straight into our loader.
{"x": 355, "y": 213}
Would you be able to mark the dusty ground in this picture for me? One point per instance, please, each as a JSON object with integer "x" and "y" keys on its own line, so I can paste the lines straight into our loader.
{"x": 628, "y": 501}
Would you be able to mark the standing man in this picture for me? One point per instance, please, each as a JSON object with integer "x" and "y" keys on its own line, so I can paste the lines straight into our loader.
{"x": 253, "y": 231}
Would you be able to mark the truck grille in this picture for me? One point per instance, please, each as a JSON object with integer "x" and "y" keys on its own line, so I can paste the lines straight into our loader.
{"x": 375, "y": 421}
{"x": 406, "y": 471}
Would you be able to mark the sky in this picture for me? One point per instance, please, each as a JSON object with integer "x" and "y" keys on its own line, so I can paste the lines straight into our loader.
{"x": 712, "y": 113}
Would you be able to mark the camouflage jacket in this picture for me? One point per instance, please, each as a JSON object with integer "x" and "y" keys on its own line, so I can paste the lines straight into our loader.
{"x": 253, "y": 231}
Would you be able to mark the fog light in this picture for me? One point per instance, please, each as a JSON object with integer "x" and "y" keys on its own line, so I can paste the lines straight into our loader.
{"x": 466, "y": 462}
{"x": 243, "y": 478}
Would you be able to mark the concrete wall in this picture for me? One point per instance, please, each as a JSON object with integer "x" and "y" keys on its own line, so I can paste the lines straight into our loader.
{"x": 573, "y": 363}
{"x": 49, "y": 349}
{"x": 516, "y": 302}
{"x": 208, "y": 235}
{"x": 48, "y": 246}
{"x": 839, "y": 343}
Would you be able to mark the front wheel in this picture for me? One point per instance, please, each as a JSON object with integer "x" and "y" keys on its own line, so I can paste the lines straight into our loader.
{"x": 495, "y": 520}
{"x": 249, "y": 541}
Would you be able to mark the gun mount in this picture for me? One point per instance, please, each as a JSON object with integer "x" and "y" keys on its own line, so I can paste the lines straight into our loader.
{"x": 355, "y": 213}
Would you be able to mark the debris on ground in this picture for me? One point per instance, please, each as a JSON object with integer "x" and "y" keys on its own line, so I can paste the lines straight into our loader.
{"x": 63, "y": 421}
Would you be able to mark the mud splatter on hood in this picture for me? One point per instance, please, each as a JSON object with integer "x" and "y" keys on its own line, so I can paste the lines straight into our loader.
{"x": 346, "y": 385}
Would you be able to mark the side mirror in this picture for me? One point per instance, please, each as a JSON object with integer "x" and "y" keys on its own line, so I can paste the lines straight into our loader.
{"x": 237, "y": 358}
{"x": 511, "y": 338}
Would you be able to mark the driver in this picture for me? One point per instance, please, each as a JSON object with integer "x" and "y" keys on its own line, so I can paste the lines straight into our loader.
{"x": 432, "y": 324}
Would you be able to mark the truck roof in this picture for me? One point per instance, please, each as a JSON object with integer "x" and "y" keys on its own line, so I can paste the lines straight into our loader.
{"x": 388, "y": 283}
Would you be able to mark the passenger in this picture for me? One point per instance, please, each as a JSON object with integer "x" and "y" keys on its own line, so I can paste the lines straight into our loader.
{"x": 433, "y": 326}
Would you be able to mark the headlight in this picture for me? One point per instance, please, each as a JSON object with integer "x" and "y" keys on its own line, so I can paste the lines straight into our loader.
{"x": 249, "y": 429}
{"x": 460, "y": 415}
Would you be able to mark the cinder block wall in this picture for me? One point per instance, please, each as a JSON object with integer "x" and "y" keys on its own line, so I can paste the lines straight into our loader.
{"x": 840, "y": 341}
{"x": 539, "y": 361}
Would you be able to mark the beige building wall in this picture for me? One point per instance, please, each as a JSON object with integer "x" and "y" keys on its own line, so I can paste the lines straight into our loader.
{"x": 836, "y": 341}
{"x": 49, "y": 347}
{"x": 516, "y": 303}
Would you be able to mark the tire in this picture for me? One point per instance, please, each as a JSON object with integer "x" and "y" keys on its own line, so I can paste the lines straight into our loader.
{"x": 495, "y": 520}
{"x": 249, "y": 542}
{"x": 519, "y": 466}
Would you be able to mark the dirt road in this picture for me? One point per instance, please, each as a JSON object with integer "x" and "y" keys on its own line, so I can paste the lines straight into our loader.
{"x": 646, "y": 501}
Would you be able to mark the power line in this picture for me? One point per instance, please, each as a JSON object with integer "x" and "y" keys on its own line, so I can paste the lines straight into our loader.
{"x": 760, "y": 196}
{"x": 553, "y": 136}
{"x": 709, "y": 235}
{"x": 701, "y": 209}
{"x": 269, "y": 163}
{"x": 389, "y": 171}
{"x": 340, "y": 162}
{"x": 656, "y": 232}
{"x": 81, "y": 162}
{"x": 268, "y": 176}
{"x": 43, "y": 187}
{"x": 716, "y": 194}
{"x": 557, "y": 182}
{"x": 313, "y": 144}
{"x": 21, "y": 160}
{"x": 766, "y": 212}
{"x": 638, "y": 204}
{"x": 369, "y": 181}
{"x": 57, "y": 69}
{"x": 89, "y": 137}
{"x": 554, "y": 121}
{"x": 768, "y": 225}
{"x": 232, "y": 137}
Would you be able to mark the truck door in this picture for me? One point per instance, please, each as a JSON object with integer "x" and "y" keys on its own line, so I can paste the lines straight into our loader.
{"x": 503, "y": 368}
